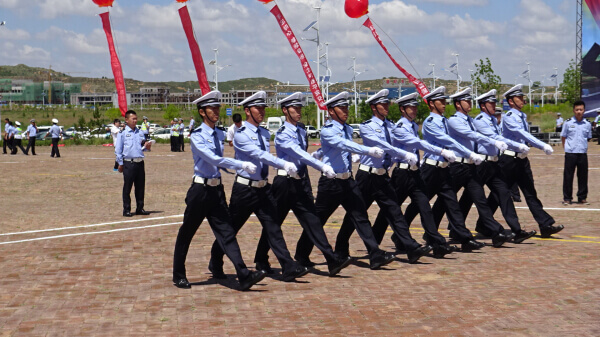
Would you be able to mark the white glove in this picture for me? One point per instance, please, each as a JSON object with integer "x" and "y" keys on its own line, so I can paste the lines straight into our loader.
{"x": 376, "y": 152}
{"x": 500, "y": 145}
{"x": 548, "y": 149}
{"x": 290, "y": 168}
{"x": 355, "y": 158}
{"x": 411, "y": 158}
{"x": 317, "y": 155}
{"x": 524, "y": 148}
{"x": 475, "y": 158}
{"x": 449, "y": 155}
{"x": 248, "y": 167}
{"x": 328, "y": 171}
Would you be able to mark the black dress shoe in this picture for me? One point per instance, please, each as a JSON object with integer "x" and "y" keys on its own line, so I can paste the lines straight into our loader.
{"x": 294, "y": 274}
{"x": 439, "y": 251}
{"x": 142, "y": 212}
{"x": 382, "y": 260}
{"x": 305, "y": 261}
{"x": 416, "y": 254}
{"x": 499, "y": 240}
{"x": 217, "y": 272}
{"x": 523, "y": 235}
{"x": 182, "y": 283}
{"x": 547, "y": 231}
{"x": 251, "y": 280}
{"x": 127, "y": 214}
{"x": 265, "y": 266}
{"x": 338, "y": 265}
{"x": 471, "y": 245}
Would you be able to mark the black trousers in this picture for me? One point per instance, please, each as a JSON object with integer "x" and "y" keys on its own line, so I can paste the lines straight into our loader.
{"x": 408, "y": 183}
{"x": 133, "y": 174}
{"x": 181, "y": 142}
{"x": 55, "y": 151}
{"x": 174, "y": 144}
{"x": 574, "y": 161}
{"x": 207, "y": 202}
{"x": 6, "y": 143}
{"x": 489, "y": 174}
{"x": 378, "y": 188}
{"x": 437, "y": 181}
{"x": 330, "y": 195}
{"x": 17, "y": 144}
{"x": 296, "y": 195}
{"x": 465, "y": 176}
{"x": 31, "y": 144}
{"x": 246, "y": 200}
{"x": 517, "y": 170}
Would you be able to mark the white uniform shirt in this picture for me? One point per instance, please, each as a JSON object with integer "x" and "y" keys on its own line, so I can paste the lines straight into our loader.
{"x": 231, "y": 131}
{"x": 114, "y": 132}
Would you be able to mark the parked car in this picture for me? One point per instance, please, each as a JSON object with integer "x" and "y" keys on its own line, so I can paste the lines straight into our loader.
{"x": 312, "y": 132}
{"x": 164, "y": 133}
{"x": 355, "y": 131}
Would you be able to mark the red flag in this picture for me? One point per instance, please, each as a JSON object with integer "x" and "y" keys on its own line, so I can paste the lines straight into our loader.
{"x": 287, "y": 31}
{"x": 103, "y": 3}
{"x": 421, "y": 88}
{"x": 196, "y": 55}
{"x": 115, "y": 64}
{"x": 594, "y": 7}
{"x": 356, "y": 8}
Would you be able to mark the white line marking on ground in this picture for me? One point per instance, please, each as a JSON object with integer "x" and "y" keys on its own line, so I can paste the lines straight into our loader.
{"x": 89, "y": 233}
{"x": 94, "y": 225}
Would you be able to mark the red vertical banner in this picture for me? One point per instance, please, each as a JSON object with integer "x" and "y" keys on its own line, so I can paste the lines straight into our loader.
{"x": 421, "y": 88}
{"x": 195, "y": 49}
{"x": 312, "y": 81}
{"x": 115, "y": 64}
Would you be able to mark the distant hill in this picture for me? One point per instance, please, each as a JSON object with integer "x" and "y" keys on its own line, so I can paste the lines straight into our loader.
{"x": 104, "y": 84}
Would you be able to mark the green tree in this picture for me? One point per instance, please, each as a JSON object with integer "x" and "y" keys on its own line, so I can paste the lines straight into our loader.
{"x": 570, "y": 85}
{"x": 171, "y": 113}
{"x": 112, "y": 114}
{"x": 484, "y": 78}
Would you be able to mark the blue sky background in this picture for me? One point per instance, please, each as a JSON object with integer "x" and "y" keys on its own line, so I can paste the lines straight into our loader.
{"x": 67, "y": 35}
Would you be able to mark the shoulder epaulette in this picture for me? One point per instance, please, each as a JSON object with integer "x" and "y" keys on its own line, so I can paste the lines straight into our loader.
{"x": 568, "y": 120}
{"x": 400, "y": 124}
{"x": 452, "y": 116}
{"x": 367, "y": 121}
{"x": 509, "y": 113}
{"x": 241, "y": 129}
{"x": 198, "y": 129}
{"x": 328, "y": 125}
{"x": 281, "y": 129}
{"x": 479, "y": 117}
{"x": 429, "y": 119}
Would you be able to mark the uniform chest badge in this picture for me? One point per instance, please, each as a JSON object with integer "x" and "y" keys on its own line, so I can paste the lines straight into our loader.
{"x": 208, "y": 140}
{"x": 253, "y": 138}
{"x": 378, "y": 130}
{"x": 128, "y": 136}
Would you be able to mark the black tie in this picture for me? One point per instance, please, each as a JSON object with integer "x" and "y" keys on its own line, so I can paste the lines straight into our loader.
{"x": 416, "y": 133}
{"x": 387, "y": 161}
{"x": 264, "y": 171}
{"x": 349, "y": 156}
{"x": 445, "y": 124}
{"x": 218, "y": 150}
{"x": 525, "y": 126}
{"x": 302, "y": 167}
{"x": 472, "y": 129}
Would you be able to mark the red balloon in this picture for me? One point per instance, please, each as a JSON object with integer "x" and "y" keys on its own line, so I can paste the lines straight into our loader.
{"x": 103, "y": 3}
{"x": 356, "y": 8}
{"x": 182, "y": 1}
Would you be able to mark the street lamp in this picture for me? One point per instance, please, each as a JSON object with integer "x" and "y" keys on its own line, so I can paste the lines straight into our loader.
{"x": 215, "y": 62}
{"x": 355, "y": 73}
{"x": 555, "y": 78}
{"x": 456, "y": 67}
{"x": 315, "y": 25}
{"x": 432, "y": 73}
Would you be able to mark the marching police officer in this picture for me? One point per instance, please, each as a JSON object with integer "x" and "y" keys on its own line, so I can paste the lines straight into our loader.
{"x": 129, "y": 150}
{"x": 56, "y": 135}
{"x": 336, "y": 151}
{"x": 373, "y": 179}
{"x": 31, "y": 134}
{"x": 406, "y": 179}
{"x": 515, "y": 165}
{"x": 18, "y": 136}
{"x": 463, "y": 171}
{"x": 206, "y": 196}
{"x": 293, "y": 191}
{"x": 575, "y": 135}
{"x": 251, "y": 192}
{"x": 489, "y": 172}
{"x": 5, "y": 139}
{"x": 435, "y": 172}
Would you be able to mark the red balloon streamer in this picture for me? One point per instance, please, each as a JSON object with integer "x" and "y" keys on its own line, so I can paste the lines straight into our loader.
{"x": 115, "y": 64}
{"x": 287, "y": 31}
{"x": 195, "y": 49}
{"x": 594, "y": 6}
{"x": 421, "y": 88}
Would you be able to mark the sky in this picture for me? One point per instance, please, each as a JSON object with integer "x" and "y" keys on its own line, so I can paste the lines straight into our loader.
{"x": 68, "y": 35}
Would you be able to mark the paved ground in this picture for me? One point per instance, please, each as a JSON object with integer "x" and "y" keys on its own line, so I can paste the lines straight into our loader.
{"x": 72, "y": 265}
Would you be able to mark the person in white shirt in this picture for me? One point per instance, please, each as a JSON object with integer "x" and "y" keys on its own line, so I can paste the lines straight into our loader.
{"x": 237, "y": 123}
{"x": 114, "y": 132}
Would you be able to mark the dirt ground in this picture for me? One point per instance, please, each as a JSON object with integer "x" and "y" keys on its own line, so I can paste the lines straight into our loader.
{"x": 72, "y": 265}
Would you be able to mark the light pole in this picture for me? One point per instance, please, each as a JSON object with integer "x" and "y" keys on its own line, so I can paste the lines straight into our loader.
{"x": 355, "y": 73}
{"x": 432, "y": 73}
{"x": 555, "y": 77}
{"x": 474, "y": 85}
{"x": 315, "y": 25}
{"x": 543, "y": 88}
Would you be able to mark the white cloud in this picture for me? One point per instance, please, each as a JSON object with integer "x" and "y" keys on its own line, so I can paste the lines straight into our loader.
{"x": 15, "y": 34}
{"x": 9, "y": 3}
{"x": 25, "y": 53}
{"x": 75, "y": 42}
